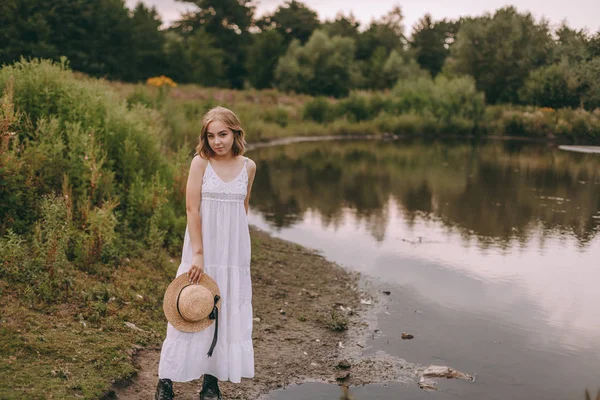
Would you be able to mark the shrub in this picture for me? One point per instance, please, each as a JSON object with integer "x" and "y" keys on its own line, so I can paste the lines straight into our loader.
{"x": 318, "y": 110}
{"x": 277, "y": 115}
{"x": 336, "y": 321}
{"x": 355, "y": 108}
{"x": 81, "y": 131}
{"x": 553, "y": 86}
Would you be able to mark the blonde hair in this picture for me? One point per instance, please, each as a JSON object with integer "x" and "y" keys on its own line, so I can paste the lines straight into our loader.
{"x": 231, "y": 121}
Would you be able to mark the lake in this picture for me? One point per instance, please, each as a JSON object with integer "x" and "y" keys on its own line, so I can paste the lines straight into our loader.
{"x": 491, "y": 252}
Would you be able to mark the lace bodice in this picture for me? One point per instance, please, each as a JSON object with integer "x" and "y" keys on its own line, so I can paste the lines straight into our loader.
{"x": 215, "y": 189}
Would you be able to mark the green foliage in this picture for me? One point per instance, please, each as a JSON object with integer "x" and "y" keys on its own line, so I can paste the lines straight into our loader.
{"x": 355, "y": 108}
{"x": 431, "y": 41}
{"x": 552, "y": 86}
{"x": 318, "y": 110}
{"x": 575, "y": 125}
{"x": 96, "y": 36}
{"x": 588, "y": 74}
{"x": 263, "y": 54}
{"x": 345, "y": 26}
{"x": 276, "y": 115}
{"x": 443, "y": 98}
{"x": 42, "y": 260}
{"x": 336, "y": 321}
{"x": 195, "y": 58}
{"x": 570, "y": 46}
{"x": 386, "y": 33}
{"x": 487, "y": 48}
{"x": 226, "y": 24}
{"x": 222, "y": 43}
{"x": 397, "y": 67}
{"x": 78, "y": 139}
{"x": 322, "y": 66}
{"x": 148, "y": 44}
{"x": 294, "y": 21}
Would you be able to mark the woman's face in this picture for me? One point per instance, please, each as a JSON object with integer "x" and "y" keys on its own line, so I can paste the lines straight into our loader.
{"x": 220, "y": 138}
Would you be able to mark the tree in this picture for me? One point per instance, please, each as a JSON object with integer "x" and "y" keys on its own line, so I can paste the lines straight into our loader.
{"x": 263, "y": 54}
{"x": 500, "y": 52}
{"x": 431, "y": 42}
{"x": 94, "y": 35}
{"x": 374, "y": 46}
{"x": 588, "y": 74}
{"x": 551, "y": 86}
{"x": 195, "y": 59}
{"x": 387, "y": 33}
{"x": 571, "y": 45}
{"x": 342, "y": 26}
{"x": 148, "y": 44}
{"x": 293, "y": 20}
{"x": 322, "y": 66}
{"x": 25, "y": 30}
{"x": 593, "y": 45}
{"x": 397, "y": 67}
{"x": 227, "y": 22}
{"x": 376, "y": 36}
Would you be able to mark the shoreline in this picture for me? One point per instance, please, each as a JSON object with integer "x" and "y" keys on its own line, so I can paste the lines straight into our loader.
{"x": 304, "y": 307}
{"x": 253, "y": 145}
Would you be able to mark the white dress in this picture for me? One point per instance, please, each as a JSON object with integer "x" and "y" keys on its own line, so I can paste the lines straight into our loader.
{"x": 226, "y": 244}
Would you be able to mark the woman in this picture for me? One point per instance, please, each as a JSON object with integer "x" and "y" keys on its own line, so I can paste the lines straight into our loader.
{"x": 217, "y": 242}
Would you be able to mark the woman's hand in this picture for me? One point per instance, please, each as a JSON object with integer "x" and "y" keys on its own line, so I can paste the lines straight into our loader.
{"x": 197, "y": 268}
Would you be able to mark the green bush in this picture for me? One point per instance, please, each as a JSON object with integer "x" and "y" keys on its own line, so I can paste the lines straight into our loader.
{"x": 41, "y": 260}
{"x": 355, "y": 108}
{"x": 444, "y": 98}
{"x": 80, "y": 131}
{"x": 100, "y": 166}
{"x": 553, "y": 86}
{"x": 277, "y": 115}
{"x": 318, "y": 110}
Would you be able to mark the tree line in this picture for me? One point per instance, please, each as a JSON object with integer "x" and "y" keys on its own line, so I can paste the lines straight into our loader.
{"x": 511, "y": 57}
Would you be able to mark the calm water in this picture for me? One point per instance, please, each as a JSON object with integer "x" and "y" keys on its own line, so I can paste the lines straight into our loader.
{"x": 491, "y": 252}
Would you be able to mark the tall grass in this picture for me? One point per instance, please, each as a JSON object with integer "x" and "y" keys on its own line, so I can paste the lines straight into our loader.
{"x": 425, "y": 106}
{"x": 82, "y": 172}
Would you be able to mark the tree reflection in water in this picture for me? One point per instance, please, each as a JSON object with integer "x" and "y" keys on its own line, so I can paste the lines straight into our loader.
{"x": 499, "y": 193}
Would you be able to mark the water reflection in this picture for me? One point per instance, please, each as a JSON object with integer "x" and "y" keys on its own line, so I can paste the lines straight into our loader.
{"x": 499, "y": 194}
{"x": 495, "y": 244}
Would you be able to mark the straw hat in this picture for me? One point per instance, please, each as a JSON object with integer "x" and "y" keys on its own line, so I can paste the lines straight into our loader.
{"x": 192, "y": 307}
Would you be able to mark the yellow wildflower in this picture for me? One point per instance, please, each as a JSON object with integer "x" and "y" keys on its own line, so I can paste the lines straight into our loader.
{"x": 160, "y": 81}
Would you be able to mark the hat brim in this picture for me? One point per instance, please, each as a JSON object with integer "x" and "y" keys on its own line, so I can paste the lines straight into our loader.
{"x": 170, "y": 303}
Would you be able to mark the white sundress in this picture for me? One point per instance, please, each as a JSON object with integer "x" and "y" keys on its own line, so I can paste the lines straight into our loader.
{"x": 226, "y": 245}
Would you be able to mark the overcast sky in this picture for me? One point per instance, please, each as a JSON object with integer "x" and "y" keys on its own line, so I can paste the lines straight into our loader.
{"x": 578, "y": 13}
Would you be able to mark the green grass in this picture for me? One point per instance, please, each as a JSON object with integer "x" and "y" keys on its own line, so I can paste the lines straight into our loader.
{"x": 80, "y": 347}
{"x": 270, "y": 114}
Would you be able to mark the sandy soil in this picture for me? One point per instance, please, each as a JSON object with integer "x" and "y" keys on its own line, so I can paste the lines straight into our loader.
{"x": 295, "y": 291}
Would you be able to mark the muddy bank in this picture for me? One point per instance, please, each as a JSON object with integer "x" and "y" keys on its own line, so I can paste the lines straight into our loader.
{"x": 306, "y": 312}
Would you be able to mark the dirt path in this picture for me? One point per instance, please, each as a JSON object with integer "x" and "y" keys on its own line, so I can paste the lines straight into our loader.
{"x": 297, "y": 296}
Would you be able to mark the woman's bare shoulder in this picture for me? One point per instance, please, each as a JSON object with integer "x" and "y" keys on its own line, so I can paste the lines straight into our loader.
{"x": 199, "y": 164}
{"x": 251, "y": 164}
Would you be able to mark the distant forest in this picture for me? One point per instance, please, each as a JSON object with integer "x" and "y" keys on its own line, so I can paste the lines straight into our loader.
{"x": 512, "y": 57}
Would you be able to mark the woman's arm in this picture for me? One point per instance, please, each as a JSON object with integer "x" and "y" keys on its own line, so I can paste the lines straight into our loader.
{"x": 193, "y": 197}
{"x": 251, "y": 174}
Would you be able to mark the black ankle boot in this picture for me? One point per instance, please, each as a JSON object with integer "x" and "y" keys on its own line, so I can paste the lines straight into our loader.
{"x": 164, "y": 390}
{"x": 210, "y": 388}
